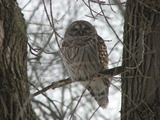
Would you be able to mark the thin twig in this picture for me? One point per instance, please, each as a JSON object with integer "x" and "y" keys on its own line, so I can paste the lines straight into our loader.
{"x": 94, "y": 112}
{"x": 78, "y": 101}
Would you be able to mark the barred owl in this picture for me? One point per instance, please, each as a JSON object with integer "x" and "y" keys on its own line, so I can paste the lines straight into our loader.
{"x": 84, "y": 55}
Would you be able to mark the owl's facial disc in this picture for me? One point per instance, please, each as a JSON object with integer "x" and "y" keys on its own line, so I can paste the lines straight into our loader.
{"x": 81, "y": 29}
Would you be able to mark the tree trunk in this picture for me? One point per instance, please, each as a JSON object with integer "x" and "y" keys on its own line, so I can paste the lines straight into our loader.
{"x": 141, "y": 87}
{"x": 14, "y": 89}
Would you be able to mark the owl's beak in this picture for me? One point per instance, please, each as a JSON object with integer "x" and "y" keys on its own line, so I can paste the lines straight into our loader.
{"x": 81, "y": 32}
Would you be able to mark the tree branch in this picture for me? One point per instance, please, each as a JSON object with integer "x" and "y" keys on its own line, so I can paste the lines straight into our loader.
{"x": 109, "y": 72}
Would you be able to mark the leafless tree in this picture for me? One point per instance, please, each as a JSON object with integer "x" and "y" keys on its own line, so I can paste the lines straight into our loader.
{"x": 141, "y": 87}
{"x": 46, "y": 21}
{"x": 15, "y": 102}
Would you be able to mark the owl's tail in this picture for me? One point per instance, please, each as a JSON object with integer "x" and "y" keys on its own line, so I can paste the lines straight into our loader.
{"x": 99, "y": 89}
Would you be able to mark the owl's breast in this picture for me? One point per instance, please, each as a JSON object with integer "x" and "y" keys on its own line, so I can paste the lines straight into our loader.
{"x": 82, "y": 62}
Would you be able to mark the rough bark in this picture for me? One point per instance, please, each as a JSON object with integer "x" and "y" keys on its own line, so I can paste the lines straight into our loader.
{"x": 14, "y": 89}
{"x": 141, "y": 87}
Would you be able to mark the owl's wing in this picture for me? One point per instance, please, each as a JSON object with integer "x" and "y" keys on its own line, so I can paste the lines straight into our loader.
{"x": 103, "y": 54}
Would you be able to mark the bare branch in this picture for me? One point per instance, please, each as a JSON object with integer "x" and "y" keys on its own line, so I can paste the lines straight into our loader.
{"x": 109, "y": 72}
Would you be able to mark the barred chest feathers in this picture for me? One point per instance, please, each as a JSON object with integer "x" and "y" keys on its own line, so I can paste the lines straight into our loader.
{"x": 81, "y": 61}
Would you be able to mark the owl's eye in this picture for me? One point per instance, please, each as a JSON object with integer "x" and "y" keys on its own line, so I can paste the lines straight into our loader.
{"x": 74, "y": 29}
{"x": 87, "y": 30}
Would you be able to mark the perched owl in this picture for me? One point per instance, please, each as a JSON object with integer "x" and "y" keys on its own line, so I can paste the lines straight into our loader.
{"x": 84, "y": 54}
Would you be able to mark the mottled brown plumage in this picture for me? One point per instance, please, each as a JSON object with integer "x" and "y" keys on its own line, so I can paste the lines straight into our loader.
{"x": 84, "y": 54}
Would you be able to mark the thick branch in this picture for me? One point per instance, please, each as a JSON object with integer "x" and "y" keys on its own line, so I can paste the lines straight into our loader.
{"x": 114, "y": 71}
{"x": 109, "y": 72}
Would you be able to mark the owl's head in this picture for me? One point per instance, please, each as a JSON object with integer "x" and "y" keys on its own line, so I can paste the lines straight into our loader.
{"x": 80, "y": 28}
